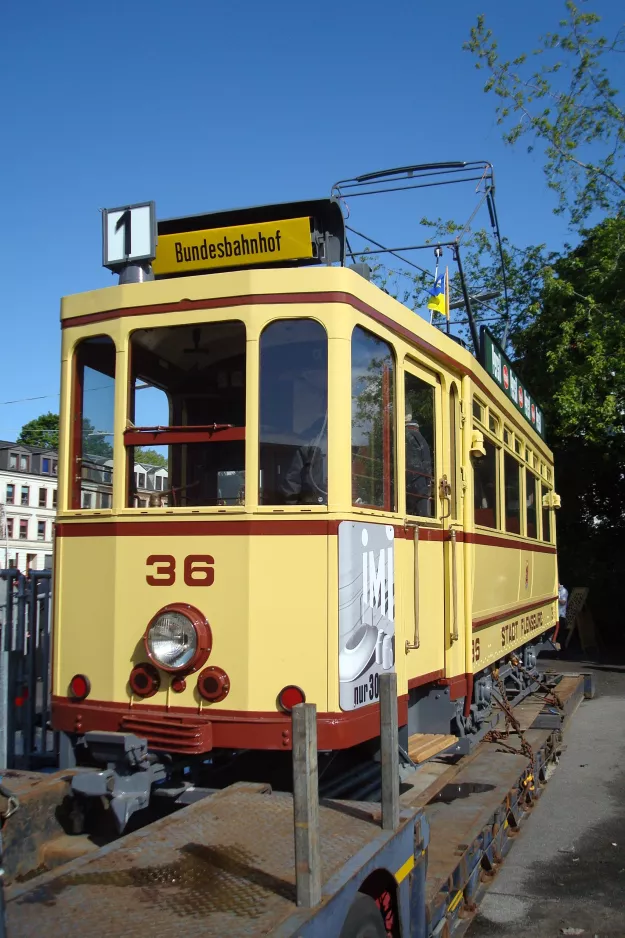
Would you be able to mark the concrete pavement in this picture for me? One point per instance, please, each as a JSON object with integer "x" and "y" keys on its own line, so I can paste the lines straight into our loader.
{"x": 567, "y": 868}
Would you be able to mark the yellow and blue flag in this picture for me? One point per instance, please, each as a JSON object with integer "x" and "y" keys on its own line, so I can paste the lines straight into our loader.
{"x": 438, "y": 300}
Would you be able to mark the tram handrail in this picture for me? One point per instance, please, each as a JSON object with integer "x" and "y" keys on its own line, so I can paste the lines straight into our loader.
{"x": 417, "y": 639}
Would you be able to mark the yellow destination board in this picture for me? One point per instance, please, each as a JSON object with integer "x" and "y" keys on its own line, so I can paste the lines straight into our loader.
{"x": 239, "y": 246}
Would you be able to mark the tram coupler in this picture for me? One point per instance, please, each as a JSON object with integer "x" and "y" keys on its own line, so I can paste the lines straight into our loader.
{"x": 128, "y": 778}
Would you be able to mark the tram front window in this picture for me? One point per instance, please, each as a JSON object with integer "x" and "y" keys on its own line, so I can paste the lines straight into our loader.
{"x": 293, "y": 413}
{"x": 185, "y": 432}
{"x": 91, "y": 482}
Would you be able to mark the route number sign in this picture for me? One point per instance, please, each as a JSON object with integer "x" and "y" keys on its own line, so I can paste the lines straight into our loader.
{"x": 128, "y": 234}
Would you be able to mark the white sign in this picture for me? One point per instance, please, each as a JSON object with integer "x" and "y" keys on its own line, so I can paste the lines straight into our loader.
{"x": 128, "y": 234}
{"x": 366, "y": 610}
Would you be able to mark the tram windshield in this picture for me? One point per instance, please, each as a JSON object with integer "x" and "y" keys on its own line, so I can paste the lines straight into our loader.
{"x": 293, "y": 413}
{"x": 186, "y": 421}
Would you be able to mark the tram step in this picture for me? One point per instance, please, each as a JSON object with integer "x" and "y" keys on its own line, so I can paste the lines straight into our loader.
{"x": 422, "y": 746}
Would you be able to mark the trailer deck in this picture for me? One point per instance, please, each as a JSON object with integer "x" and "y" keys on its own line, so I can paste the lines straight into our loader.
{"x": 226, "y": 864}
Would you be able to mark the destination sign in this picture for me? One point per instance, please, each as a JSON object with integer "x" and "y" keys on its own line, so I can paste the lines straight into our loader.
{"x": 237, "y": 246}
{"x": 499, "y": 368}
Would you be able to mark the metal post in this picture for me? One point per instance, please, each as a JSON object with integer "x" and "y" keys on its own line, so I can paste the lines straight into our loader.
{"x": 306, "y": 806}
{"x": 5, "y": 632}
{"x": 389, "y": 736}
{"x": 44, "y": 638}
{"x": 136, "y": 272}
{"x": 31, "y": 671}
{"x": 467, "y": 303}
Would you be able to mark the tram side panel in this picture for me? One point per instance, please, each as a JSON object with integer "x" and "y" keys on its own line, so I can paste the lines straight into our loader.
{"x": 514, "y": 592}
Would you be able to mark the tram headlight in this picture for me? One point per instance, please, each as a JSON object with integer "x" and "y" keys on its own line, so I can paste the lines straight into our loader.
{"x": 178, "y": 638}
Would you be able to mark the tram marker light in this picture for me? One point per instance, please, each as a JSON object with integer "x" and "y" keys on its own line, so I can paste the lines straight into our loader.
{"x": 79, "y": 687}
{"x": 290, "y": 696}
{"x": 213, "y": 684}
{"x": 144, "y": 680}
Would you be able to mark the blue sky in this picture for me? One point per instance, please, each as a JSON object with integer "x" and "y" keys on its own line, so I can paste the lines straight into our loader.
{"x": 203, "y": 106}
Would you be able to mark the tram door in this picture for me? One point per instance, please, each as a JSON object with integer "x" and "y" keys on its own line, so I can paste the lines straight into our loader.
{"x": 425, "y": 567}
{"x": 451, "y": 499}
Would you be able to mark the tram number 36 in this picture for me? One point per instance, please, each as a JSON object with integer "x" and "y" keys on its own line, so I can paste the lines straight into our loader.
{"x": 198, "y": 570}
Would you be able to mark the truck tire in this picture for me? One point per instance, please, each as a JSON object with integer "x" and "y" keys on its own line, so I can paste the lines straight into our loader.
{"x": 363, "y": 920}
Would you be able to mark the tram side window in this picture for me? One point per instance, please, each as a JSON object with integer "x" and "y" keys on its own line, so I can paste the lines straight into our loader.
{"x": 512, "y": 479}
{"x": 546, "y": 515}
{"x": 186, "y": 423}
{"x": 93, "y": 414}
{"x": 293, "y": 413}
{"x": 485, "y": 487}
{"x": 420, "y": 425}
{"x": 530, "y": 501}
{"x": 373, "y": 406}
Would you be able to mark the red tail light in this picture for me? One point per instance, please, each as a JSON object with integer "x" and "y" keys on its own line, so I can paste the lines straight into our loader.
{"x": 79, "y": 687}
{"x": 144, "y": 680}
{"x": 290, "y": 696}
{"x": 213, "y": 684}
{"x": 21, "y": 699}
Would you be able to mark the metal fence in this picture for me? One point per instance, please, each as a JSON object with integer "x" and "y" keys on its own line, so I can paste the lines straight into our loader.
{"x": 26, "y": 739}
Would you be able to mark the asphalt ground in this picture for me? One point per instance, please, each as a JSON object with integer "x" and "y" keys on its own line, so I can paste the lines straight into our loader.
{"x": 565, "y": 873}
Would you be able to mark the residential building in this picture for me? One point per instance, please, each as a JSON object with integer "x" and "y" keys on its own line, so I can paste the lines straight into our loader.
{"x": 28, "y": 493}
{"x": 28, "y": 499}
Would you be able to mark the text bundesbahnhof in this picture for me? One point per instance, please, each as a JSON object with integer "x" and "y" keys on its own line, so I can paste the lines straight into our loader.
{"x": 228, "y": 247}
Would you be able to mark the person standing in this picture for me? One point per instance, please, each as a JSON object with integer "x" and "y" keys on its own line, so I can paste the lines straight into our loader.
{"x": 419, "y": 477}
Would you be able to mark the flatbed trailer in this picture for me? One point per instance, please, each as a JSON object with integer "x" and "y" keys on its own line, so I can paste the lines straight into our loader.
{"x": 249, "y": 861}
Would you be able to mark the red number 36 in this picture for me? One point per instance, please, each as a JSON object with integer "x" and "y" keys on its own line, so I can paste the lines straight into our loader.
{"x": 199, "y": 570}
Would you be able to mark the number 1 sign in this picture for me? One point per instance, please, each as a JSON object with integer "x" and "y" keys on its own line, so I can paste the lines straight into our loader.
{"x": 128, "y": 234}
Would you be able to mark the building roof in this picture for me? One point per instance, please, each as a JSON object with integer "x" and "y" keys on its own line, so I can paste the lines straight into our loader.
{"x": 8, "y": 444}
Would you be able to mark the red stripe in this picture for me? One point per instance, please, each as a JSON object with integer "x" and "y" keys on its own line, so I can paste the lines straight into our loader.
{"x": 231, "y": 729}
{"x": 493, "y": 540}
{"x": 194, "y": 528}
{"x": 511, "y": 611}
{"x": 270, "y": 526}
{"x": 179, "y": 435}
{"x": 331, "y": 296}
{"x": 425, "y": 679}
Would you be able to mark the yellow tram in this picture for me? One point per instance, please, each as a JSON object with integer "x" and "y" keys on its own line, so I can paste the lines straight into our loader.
{"x": 285, "y": 545}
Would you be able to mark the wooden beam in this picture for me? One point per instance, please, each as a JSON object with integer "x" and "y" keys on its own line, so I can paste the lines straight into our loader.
{"x": 389, "y": 746}
{"x": 306, "y": 806}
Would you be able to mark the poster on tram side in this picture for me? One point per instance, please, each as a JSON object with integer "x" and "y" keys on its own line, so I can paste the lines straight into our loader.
{"x": 366, "y": 610}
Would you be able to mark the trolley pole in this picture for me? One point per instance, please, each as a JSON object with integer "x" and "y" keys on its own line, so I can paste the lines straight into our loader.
{"x": 306, "y": 806}
{"x": 389, "y": 751}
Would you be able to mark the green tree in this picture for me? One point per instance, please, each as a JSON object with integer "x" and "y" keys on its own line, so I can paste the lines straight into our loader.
{"x": 94, "y": 443}
{"x": 42, "y": 431}
{"x": 562, "y": 97}
{"x": 573, "y": 357}
{"x": 150, "y": 457}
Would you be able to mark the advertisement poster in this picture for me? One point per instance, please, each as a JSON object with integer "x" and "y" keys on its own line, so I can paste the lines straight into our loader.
{"x": 366, "y": 610}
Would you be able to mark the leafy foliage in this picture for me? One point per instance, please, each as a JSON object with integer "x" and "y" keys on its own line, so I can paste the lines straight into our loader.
{"x": 561, "y": 95}
{"x": 149, "y": 457}
{"x": 94, "y": 443}
{"x": 42, "y": 431}
{"x": 577, "y": 339}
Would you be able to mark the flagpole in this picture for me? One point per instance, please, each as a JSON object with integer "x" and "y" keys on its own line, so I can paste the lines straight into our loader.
{"x": 447, "y": 301}
{"x": 435, "y": 279}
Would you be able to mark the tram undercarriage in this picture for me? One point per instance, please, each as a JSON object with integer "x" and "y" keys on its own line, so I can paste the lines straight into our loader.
{"x": 133, "y": 775}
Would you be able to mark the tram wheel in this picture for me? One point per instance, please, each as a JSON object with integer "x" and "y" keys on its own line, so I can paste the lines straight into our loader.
{"x": 363, "y": 920}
